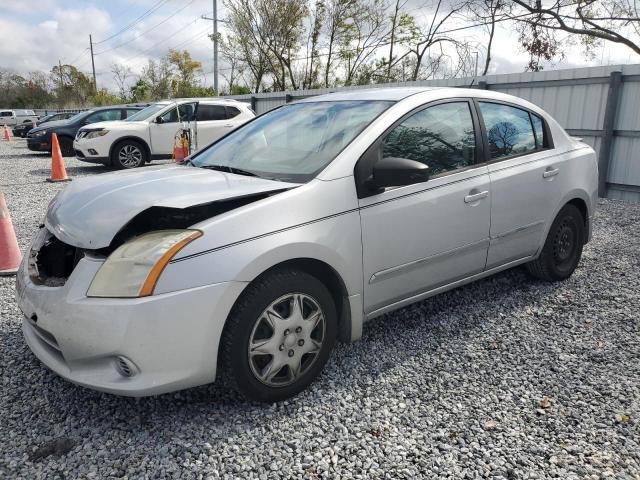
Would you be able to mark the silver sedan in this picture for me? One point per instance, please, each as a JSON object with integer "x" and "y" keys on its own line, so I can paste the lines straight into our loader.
{"x": 260, "y": 252}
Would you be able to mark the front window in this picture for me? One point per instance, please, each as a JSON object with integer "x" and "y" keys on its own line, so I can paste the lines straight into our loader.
{"x": 442, "y": 137}
{"x": 293, "y": 143}
{"x": 181, "y": 113}
{"x": 147, "y": 112}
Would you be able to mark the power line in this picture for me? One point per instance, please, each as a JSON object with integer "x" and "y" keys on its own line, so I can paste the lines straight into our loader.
{"x": 146, "y": 31}
{"x": 167, "y": 38}
{"x": 155, "y": 7}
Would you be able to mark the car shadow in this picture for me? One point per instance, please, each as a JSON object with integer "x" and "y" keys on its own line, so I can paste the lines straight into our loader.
{"x": 73, "y": 170}
{"x": 24, "y": 156}
{"x": 437, "y": 323}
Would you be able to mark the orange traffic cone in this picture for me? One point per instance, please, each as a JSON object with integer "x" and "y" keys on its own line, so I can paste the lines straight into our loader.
{"x": 58, "y": 172}
{"x": 6, "y": 134}
{"x": 9, "y": 252}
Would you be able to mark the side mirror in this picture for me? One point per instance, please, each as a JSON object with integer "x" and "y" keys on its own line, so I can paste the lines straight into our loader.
{"x": 159, "y": 120}
{"x": 397, "y": 172}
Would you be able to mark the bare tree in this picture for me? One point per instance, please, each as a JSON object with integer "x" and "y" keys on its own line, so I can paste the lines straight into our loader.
{"x": 487, "y": 12}
{"x": 365, "y": 32}
{"x": 615, "y": 21}
{"x": 312, "y": 59}
{"x": 275, "y": 29}
{"x": 435, "y": 33}
{"x": 120, "y": 75}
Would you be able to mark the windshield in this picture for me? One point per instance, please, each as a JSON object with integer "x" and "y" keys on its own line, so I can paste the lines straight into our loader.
{"x": 146, "y": 112}
{"x": 292, "y": 143}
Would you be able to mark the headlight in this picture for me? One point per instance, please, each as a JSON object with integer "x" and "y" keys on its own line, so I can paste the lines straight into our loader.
{"x": 134, "y": 268}
{"x": 39, "y": 133}
{"x": 96, "y": 133}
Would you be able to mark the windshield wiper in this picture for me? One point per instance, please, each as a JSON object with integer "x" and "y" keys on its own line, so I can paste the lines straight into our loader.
{"x": 227, "y": 168}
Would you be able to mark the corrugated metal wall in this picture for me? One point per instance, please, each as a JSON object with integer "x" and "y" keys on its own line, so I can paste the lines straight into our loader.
{"x": 577, "y": 98}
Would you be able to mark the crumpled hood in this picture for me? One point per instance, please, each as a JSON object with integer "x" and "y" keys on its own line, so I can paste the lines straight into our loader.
{"x": 90, "y": 211}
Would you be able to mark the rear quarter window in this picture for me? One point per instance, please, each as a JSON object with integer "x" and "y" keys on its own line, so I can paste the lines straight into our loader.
{"x": 232, "y": 112}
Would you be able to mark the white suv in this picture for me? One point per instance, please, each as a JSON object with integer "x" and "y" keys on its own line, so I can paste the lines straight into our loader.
{"x": 150, "y": 134}
{"x": 16, "y": 117}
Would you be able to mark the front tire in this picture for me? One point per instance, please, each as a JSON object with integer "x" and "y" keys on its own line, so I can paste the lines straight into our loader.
{"x": 278, "y": 336}
{"x": 563, "y": 247}
{"x": 128, "y": 154}
{"x": 66, "y": 146}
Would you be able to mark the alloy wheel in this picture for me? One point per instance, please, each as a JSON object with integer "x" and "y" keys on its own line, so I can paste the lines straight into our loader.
{"x": 130, "y": 156}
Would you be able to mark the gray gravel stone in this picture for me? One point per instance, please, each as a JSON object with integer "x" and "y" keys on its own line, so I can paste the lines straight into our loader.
{"x": 411, "y": 399}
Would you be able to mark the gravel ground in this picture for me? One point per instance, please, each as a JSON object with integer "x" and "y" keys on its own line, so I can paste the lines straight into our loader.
{"x": 505, "y": 378}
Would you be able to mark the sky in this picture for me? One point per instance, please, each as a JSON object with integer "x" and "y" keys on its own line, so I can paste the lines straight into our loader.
{"x": 35, "y": 35}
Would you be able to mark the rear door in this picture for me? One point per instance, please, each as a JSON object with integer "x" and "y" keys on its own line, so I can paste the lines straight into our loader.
{"x": 212, "y": 123}
{"x": 526, "y": 180}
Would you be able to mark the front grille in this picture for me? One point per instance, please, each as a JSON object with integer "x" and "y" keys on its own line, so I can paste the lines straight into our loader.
{"x": 52, "y": 263}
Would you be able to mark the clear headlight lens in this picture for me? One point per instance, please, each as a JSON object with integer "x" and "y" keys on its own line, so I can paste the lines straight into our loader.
{"x": 39, "y": 133}
{"x": 96, "y": 133}
{"x": 134, "y": 268}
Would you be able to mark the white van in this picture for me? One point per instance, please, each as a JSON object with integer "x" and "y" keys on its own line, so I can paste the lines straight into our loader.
{"x": 16, "y": 117}
{"x": 151, "y": 133}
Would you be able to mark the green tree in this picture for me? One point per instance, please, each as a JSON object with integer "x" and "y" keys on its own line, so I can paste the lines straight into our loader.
{"x": 183, "y": 83}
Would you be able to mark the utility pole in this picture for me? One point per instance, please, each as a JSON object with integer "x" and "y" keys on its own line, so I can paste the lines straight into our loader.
{"x": 215, "y": 44}
{"x": 476, "y": 68}
{"x": 93, "y": 65}
{"x": 60, "y": 72}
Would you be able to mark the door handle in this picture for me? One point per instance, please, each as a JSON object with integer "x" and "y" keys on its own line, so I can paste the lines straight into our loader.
{"x": 550, "y": 172}
{"x": 474, "y": 197}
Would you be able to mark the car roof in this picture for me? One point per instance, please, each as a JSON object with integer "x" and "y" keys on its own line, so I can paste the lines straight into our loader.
{"x": 217, "y": 100}
{"x": 383, "y": 93}
{"x": 128, "y": 105}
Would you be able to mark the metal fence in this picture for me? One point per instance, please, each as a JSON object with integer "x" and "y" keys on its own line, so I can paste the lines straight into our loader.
{"x": 599, "y": 104}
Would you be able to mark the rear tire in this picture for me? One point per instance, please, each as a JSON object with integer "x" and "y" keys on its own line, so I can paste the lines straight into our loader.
{"x": 66, "y": 147}
{"x": 563, "y": 247}
{"x": 278, "y": 336}
{"x": 128, "y": 154}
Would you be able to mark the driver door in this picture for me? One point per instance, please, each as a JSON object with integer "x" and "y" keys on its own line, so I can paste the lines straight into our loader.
{"x": 419, "y": 237}
{"x": 163, "y": 130}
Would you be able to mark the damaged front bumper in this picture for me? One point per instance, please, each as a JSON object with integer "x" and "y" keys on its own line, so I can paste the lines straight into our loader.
{"x": 133, "y": 346}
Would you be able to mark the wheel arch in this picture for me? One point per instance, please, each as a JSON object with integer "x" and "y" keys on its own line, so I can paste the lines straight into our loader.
{"x": 349, "y": 322}
{"x": 142, "y": 142}
{"x": 581, "y": 205}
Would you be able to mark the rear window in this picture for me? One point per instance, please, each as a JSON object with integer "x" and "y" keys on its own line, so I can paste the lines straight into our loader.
{"x": 509, "y": 130}
{"x": 211, "y": 112}
{"x": 6, "y": 114}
